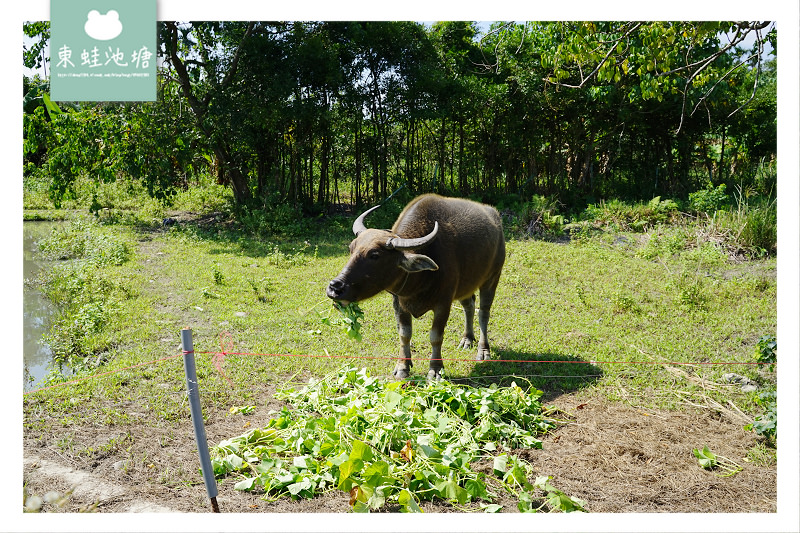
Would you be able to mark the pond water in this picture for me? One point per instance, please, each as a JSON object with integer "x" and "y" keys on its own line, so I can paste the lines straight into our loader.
{"x": 37, "y": 311}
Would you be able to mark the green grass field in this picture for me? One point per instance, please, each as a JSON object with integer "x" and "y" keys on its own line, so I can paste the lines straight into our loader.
{"x": 600, "y": 316}
{"x": 608, "y": 299}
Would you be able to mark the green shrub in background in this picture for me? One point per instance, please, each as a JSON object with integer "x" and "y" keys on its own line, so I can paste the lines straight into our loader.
{"x": 622, "y": 216}
{"x": 278, "y": 219}
{"x": 709, "y": 200}
{"x": 539, "y": 217}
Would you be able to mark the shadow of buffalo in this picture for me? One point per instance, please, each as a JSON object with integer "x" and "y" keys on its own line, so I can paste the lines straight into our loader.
{"x": 553, "y": 374}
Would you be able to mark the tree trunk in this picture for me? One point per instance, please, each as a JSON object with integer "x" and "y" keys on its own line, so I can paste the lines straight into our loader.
{"x": 232, "y": 174}
{"x": 720, "y": 167}
{"x": 462, "y": 178}
{"x": 358, "y": 164}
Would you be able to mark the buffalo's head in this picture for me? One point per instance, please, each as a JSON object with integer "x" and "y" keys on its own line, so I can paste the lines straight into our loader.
{"x": 379, "y": 260}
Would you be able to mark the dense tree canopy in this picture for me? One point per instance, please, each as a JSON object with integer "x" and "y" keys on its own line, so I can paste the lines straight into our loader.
{"x": 319, "y": 113}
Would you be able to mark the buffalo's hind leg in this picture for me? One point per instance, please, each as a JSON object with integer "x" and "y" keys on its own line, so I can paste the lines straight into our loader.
{"x": 404, "y": 364}
{"x": 487, "y": 297}
{"x": 468, "y": 339}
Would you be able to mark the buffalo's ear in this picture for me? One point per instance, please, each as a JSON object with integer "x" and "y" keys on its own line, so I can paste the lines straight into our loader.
{"x": 417, "y": 263}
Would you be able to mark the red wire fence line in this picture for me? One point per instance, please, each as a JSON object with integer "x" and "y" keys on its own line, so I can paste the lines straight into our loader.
{"x": 218, "y": 359}
{"x": 469, "y": 360}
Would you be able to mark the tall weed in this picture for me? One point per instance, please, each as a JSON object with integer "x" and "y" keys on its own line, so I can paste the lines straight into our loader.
{"x": 83, "y": 239}
{"x": 664, "y": 241}
{"x": 35, "y": 193}
{"x": 80, "y": 288}
{"x": 750, "y": 228}
{"x": 204, "y": 198}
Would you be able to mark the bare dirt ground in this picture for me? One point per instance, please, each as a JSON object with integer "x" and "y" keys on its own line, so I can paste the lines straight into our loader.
{"x": 617, "y": 458}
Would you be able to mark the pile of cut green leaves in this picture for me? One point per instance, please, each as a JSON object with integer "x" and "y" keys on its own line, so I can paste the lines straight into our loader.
{"x": 396, "y": 443}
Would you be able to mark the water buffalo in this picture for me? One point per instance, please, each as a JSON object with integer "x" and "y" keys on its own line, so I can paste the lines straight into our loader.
{"x": 438, "y": 251}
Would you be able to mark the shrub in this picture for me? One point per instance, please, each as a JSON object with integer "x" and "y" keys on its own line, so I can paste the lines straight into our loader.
{"x": 539, "y": 217}
{"x": 280, "y": 219}
{"x": 35, "y": 193}
{"x": 638, "y": 217}
{"x": 87, "y": 303}
{"x": 87, "y": 300}
{"x": 709, "y": 200}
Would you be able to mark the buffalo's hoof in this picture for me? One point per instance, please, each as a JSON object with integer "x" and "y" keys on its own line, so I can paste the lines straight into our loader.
{"x": 434, "y": 375}
{"x": 482, "y": 355}
{"x": 466, "y": 343}
{"x": 400, "y": 372}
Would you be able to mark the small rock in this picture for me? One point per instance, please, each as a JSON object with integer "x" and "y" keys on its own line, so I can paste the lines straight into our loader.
{"x": 119, "y": 465}
{"x": 53, "y": 497}
{"x": 240, "y": 314}
{"x": 746, "y": 384}
{"x": 33, "y": 503}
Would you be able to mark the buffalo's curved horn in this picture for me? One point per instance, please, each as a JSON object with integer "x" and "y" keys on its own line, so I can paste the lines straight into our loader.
{"x": 358, "y": 225}
{"x": 409, "y": 244}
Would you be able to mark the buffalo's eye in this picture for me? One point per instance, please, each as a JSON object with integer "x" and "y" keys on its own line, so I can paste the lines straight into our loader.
{"x": 374, "y": 255}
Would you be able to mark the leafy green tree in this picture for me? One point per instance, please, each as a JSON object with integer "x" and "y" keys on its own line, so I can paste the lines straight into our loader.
{"x": 623, "y": 107}
{"x": 305, "y": 114}
{"x": 452, "y": 79}
{"x": 205, "y": 58}
{"x": 666, "y": 57}
{"x": 33, "y": 55}
{"x": 81, "y": 142}
{"x": 159, "y": 144}
{"x": 387, "y": 55}
{"x": 754, "y": 130}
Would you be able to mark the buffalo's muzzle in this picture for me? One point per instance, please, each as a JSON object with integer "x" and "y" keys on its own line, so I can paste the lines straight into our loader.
{"x": 335, "y": 289}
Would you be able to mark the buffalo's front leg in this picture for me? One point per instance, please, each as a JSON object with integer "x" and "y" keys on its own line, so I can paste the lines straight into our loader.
{"x": 403, "y": 366}
{"x": 440, "y": 316}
